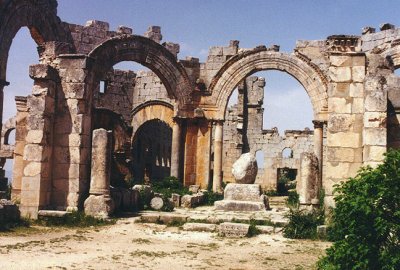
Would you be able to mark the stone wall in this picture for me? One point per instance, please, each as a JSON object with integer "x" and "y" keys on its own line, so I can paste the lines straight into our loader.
{"x": 243, "y": 132}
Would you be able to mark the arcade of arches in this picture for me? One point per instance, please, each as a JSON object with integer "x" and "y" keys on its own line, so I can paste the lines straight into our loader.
{"x": 174, "y": 120}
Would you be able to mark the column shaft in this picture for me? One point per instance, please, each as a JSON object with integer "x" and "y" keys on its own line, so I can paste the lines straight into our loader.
{"x": 217, "y": 176}
{"x": 175, "y": 149}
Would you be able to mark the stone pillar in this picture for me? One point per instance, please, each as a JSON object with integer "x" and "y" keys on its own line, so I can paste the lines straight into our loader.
{"x": 175, "y": 148}
{"x": 318, "y": 144}
{"x": 101, "y": 162}
{"x": 308, "y": 186}
{"x": 2, "y": 84}
{"x": 20, "y": 136}
{"x": 218, "y": 139}
{"x": 99, "y": 203}
{"x": 38, "y": 151}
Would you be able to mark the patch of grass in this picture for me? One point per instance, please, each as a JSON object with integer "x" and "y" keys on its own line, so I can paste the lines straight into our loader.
{"x": 74, "y": 219}
{"x": 293, "y": 199}
{"x": 253, "y": 230}
{"x": 141, "y": 241}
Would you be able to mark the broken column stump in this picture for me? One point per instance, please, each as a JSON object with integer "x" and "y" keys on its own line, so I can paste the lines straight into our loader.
{"x": 100, "y": 203}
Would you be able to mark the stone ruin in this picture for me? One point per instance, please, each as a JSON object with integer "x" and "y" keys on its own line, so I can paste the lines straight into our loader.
{"x": 173, "y": 120}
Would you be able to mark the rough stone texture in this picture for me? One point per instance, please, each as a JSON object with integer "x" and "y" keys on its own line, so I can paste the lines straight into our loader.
{"x": 101, "y": 206}
{"x": 229, "y": 229}
{"x": 242, "y": 197}
{"x": 190, "y": 201}
{"x": 156, "y": 203}
{"x": 199, "y": 227}
{"x": 308, "y": 187}
{"x": 245, "y": 169}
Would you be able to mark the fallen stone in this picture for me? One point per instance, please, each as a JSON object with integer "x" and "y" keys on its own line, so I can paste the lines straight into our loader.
{"x": 322, "y": 231}
{"x": 170, "y": 218}
{"x": 199, "y": 227}
{"x": 194, "y": 188}
{"x": 229, "y": 229}
{"x": 190, "y": 201}
{"x": 230, "y": 205}
{"x": 245, "y": 169}
{"x": 176, "y": 199}
{"x": 156, "y": 203}
{"x": 150, "y": 218}
{"x": 101, "y": 206}
{"x": 52, "y": 213}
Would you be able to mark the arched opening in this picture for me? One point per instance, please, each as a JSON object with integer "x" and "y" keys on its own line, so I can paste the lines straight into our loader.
{"x": 151, "y": 151}
{"x": 23, "y": 53}
{"x": 287, "y": 153}
{"x": 271, "y": 111}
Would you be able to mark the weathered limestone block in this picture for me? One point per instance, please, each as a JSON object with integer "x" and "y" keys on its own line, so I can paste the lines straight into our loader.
{"x": 245, "y": 169}
{"x": 156, "y": 203}
{"x": 308, "y": 186}
{"x": 229, "y": 229}
{"x": 238, "y": 192}
{"x": 190, "y": 201}
{"x": 199, "y": 227}
{"x": 176, "y": 199}
{"x": 145, "y": 193}
{"x": 242, "y": 197}
{"x": 101, "y": 206}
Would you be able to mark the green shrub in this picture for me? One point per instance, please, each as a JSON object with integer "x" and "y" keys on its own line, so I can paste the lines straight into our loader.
{"x": 253, "y": 230}
{"x": 74, "y": 219}
{"x": 293, "y": 199}
{"x": 169, "y": 185}
{"x": 303, "y": 224}
{"x": 210, "y": 197}
{"x": 366, "y": 220}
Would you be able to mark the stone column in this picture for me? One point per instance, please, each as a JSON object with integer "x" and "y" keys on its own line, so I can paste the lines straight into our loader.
{"x": 20, "y": 137}
{"x": 318, "y": 143}
{"x": 218, "y": 140}
{"x": 101, "y": 162}
{"x": 3, "y": 83}
{"x": 99, "y": 203}
{"x": 175, "y": 147}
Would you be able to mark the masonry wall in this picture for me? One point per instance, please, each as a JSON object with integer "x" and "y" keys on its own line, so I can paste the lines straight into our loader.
{"x": 243, "y": 132}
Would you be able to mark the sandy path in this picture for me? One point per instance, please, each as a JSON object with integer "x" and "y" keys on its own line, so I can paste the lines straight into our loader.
{"x": 129, "y": 245}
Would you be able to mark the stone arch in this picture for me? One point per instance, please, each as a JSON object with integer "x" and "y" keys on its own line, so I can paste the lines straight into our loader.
{"x": 39, "y": 16}
{"x": 151, "y": 150}
{"x": 148, "y": 53}
{"x": 151, "y": 110}
{"x": 244, "y": 64}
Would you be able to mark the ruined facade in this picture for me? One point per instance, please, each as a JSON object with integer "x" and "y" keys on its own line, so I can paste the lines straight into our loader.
{"x": 350, "y": 81}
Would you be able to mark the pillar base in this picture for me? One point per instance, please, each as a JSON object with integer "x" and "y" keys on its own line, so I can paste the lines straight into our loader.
{"x": 99, "y": 206}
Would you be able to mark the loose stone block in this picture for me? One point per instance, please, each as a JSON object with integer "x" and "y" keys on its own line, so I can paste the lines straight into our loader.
{"x": 245, "y": 169}
{"x": 199, "y": 227}
{"x": 229, "y": 229}
{"x": 101, "y": 206}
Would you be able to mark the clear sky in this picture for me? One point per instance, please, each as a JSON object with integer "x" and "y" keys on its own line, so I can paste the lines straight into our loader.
{"x": 198, "y": 24}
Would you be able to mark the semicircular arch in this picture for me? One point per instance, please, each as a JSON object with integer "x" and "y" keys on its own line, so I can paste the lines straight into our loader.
{"x": 148, "y": 53}
{"x": 243, "y": 65}
{"x": 152, "y": 110}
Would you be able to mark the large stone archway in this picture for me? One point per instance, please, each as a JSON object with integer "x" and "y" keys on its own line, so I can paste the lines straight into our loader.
{"x": 40, "y": 17}
{"x": 148, "y": 53}
{"x": 242, "y": 65}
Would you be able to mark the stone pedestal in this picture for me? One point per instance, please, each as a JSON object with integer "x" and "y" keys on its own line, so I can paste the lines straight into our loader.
{"x": 242, "y": 197}
{"x": 100, "y": 203}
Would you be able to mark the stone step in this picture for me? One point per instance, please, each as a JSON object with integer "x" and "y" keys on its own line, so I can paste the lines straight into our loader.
{"x": 52, "y": 213}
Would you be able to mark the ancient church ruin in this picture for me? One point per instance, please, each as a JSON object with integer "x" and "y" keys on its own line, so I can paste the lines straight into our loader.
{"x": 174, "y": 120}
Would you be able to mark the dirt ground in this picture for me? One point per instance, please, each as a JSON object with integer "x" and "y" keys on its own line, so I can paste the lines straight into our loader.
{"x": 130, "y": 245}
